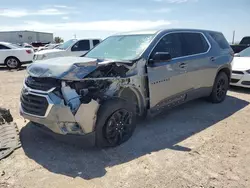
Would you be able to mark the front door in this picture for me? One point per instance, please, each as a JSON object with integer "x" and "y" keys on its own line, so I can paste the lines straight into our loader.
{"x": 168, "y": 81}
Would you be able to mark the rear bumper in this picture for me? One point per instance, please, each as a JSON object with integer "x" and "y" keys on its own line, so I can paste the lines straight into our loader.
{"x": 85, "y": 141}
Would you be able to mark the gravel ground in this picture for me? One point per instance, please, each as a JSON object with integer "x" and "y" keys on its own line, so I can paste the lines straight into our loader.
{"x": 196, "y": 145}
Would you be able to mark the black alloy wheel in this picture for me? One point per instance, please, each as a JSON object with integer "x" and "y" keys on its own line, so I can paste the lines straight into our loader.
{"x": 119, "y": 128}
{"x": 221, "y": 89}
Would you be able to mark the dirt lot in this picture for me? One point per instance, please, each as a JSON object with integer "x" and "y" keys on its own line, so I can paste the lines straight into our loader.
{"x": 195, "y": 145}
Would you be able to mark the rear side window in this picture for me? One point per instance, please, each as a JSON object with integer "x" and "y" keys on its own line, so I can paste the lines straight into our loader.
{"x": 82, "y": 45}
{"x": 194, "y": 43}
{"x": 220, "y": 40}
{"x": 2, "y": 47}
{"x": 245, "y": 40}
{"x": 95, "y": 42}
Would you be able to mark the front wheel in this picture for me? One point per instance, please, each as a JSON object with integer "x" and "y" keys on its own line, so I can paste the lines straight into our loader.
{"x": 12, "y": 63}
{"x": 115, "y": 123}
{"x": 220, "y": 88}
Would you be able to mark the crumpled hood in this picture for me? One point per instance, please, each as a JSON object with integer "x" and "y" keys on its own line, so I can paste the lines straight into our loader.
{"x": 241, "y": 63}
{"x": 65, "y": 68}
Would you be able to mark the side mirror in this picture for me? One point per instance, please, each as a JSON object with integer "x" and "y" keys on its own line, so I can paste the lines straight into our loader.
{"x": 161, "y": 57}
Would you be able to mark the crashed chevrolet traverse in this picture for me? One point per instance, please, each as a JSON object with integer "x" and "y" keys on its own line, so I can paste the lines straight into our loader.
{"x": 129, "y": 75}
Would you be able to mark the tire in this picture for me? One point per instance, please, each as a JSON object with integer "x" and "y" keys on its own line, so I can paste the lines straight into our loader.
{"x": 220, "y": 88}
{"x": 12, "y": 63}
{"x": 110, "y": 131}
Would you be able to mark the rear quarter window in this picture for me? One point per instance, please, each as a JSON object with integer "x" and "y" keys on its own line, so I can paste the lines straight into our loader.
{"x": 220, "y": 40}
{"x": 2, "y": 47}
{"x": 194, "y": 43}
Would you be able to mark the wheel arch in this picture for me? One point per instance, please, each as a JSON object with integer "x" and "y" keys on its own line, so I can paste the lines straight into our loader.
{"x": 226, "y": 70}
{"x": 133, "y": 94}
{"x": 5, "y": 61}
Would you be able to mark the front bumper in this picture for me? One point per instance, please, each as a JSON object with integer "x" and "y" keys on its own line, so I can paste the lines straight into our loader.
{"x": 241, "y": 79}
{"x": 57, "y": 117}
{"x": 85, "y": 141}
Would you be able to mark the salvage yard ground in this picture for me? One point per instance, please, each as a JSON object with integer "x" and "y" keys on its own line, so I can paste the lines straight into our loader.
{"x": 196, "y": 145}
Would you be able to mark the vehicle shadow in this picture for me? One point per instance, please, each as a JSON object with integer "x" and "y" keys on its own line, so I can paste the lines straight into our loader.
{"x": 162, "y": 132}
{"x": 3, "y": 68}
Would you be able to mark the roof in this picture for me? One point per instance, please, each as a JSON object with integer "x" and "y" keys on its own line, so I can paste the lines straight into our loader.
{"x": 141, "y": 32}
{"x": 162, "y": 30}
{"x": 24, "y": 31}
{"x": 5, "y": 43}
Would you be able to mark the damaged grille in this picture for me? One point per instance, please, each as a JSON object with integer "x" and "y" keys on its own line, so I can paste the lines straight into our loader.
{"x": 43, "y": 84}
{"x": 33, "y": 104}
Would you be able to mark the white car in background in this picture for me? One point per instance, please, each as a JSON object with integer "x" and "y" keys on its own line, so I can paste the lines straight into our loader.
{"x": 13, "y": 56}
{"x": 241, "y": 69}
{"x": 73, "y": 47}
{"x": 48, "y": 46}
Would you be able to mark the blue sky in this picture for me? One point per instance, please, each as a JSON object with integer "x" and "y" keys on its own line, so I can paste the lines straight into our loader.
{"x": 101, "y": 18}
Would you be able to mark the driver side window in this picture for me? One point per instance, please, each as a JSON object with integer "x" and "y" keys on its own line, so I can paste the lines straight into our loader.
{"x": 170, "y": 43}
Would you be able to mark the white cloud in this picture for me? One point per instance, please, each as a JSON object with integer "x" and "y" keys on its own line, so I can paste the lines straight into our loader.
{"x": 51, "y": 11}
{"x": 162, "y": 10}
{"x": 176, "y": 1}
{"x": 15, "y": 13}
{"x": 60, "y": 6}
{"x": 63, "y": 7}
{"x": 65, "y": 18}
{"x": 109, "y": 25}
{"x": 144, "y": 11}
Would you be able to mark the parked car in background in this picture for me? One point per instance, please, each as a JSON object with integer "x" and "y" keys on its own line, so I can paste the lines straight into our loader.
{"x": 98, "y": 96}
{"x": 241, "y": 69}
{"x": 26, "y": 45}
{"x": 73, "y": 47}
{"x": 36, "y": 45}
{"x": 13, "y": 56}
{"x": 48, "y": 46}
{"x": 244, "y": 43}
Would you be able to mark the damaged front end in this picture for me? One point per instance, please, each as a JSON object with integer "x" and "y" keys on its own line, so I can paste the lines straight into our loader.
{"x": 64, "y": 94}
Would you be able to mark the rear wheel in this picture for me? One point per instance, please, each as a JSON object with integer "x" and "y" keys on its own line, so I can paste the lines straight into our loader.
{"x": 220, "y": 88}
{"x": 12, "y": 63}
{"x": 115, "y": 123}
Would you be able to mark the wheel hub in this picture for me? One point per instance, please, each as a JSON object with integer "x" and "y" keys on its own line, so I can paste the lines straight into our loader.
{"x": 118, "y": 127}
{"x": 12, "y": 63}
{"x": 221, "y": 88}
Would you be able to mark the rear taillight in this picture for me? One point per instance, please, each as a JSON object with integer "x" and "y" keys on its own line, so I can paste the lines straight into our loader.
{"x": 29, "y": 51}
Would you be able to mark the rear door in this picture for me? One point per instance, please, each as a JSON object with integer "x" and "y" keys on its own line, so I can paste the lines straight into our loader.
{"x": 80, "y": 48}
{"x": 168, "y": 81}
{"x": 198, "y": 60}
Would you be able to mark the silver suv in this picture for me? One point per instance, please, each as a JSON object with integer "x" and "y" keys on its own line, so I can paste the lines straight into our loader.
{"x": 95, "y": 99}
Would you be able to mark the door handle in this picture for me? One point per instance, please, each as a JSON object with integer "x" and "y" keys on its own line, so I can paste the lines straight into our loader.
{"x": 212, "y": 59}
{"x": 183, "y": 65}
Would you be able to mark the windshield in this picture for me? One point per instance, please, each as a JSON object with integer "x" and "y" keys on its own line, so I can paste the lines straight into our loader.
{"x": 57, "y": 46}
{"x": 67, "y": 44}
{"x": 122, "y": 47}
{"x": 245, "y": 53}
